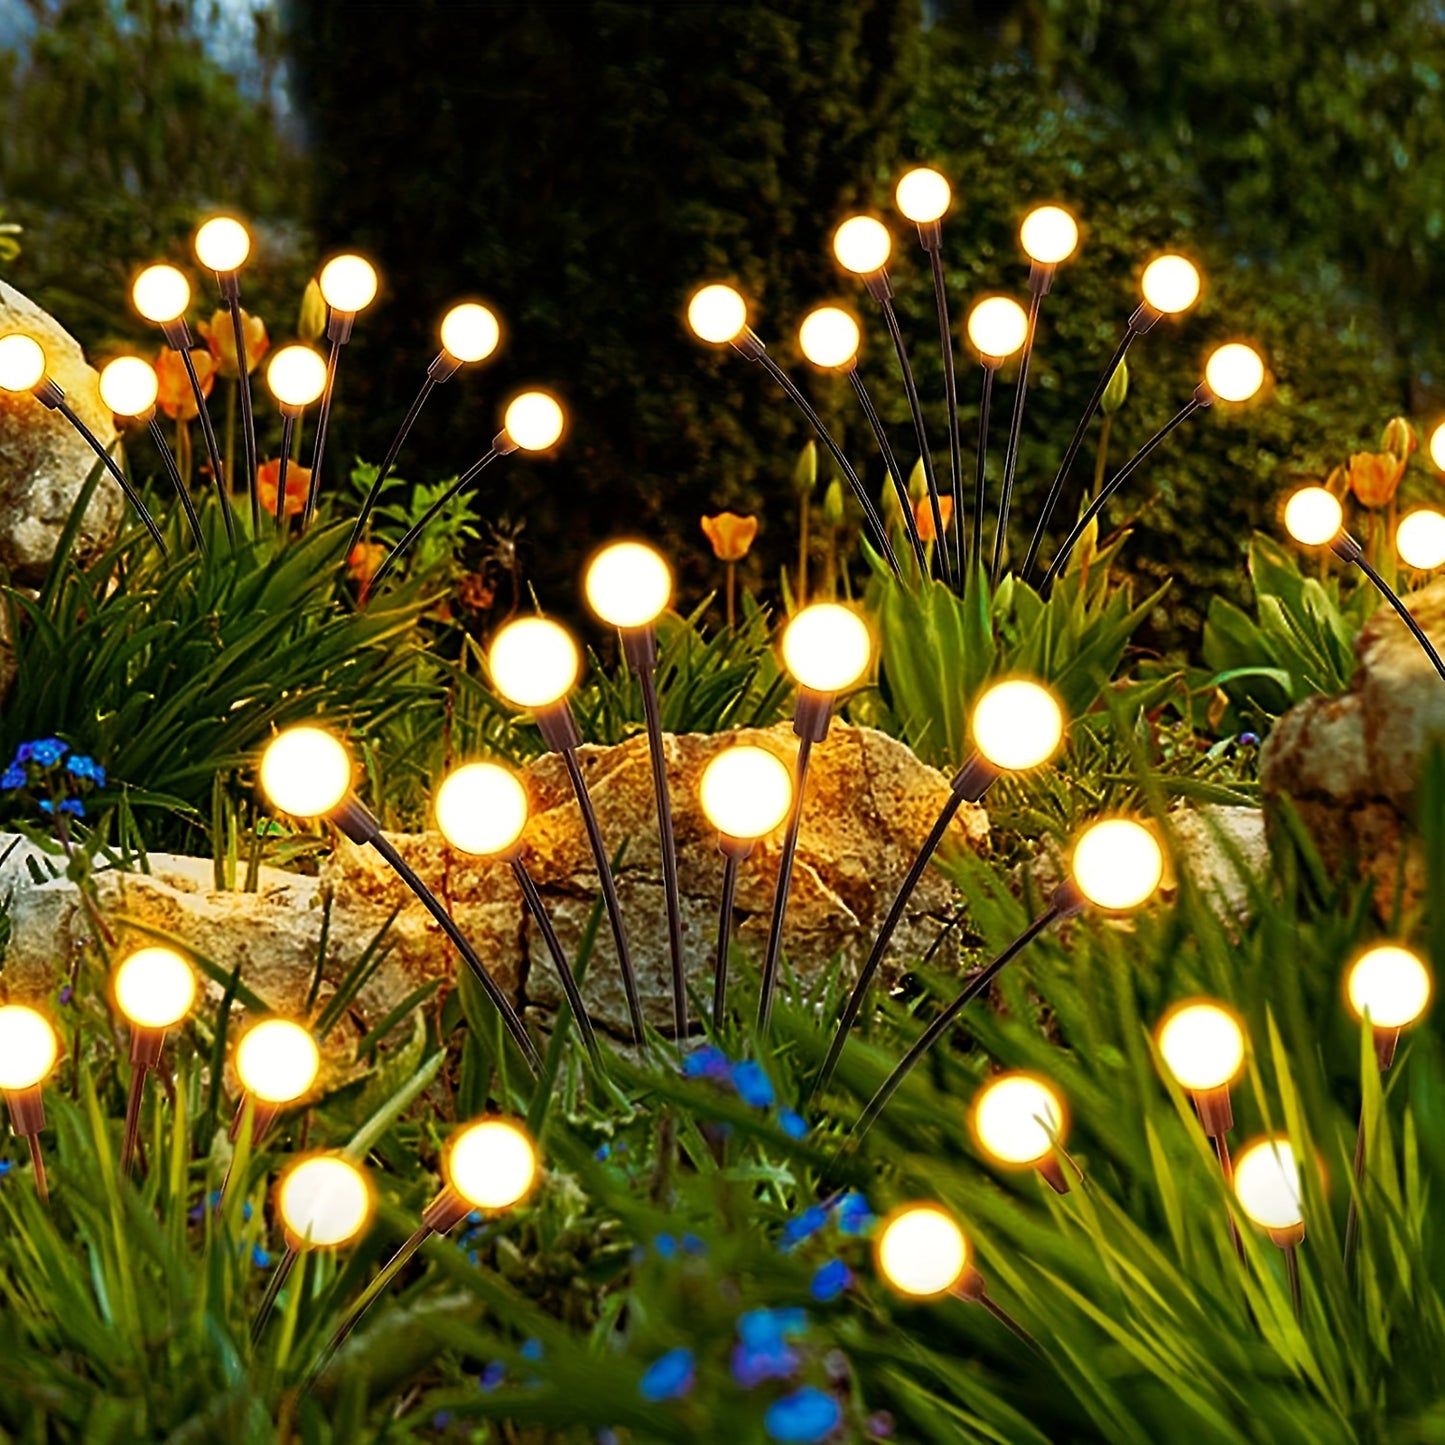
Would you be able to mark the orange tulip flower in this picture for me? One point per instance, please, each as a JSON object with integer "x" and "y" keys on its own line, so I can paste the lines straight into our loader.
{"x": 731, "y": 535}
{"x": 221, "y": 338}
{"x": 298, "y": 483}
{"x": 362, "y": 562}
{"x": 923, "y": 515}
{"x": 175, "y": 396}
{"x": 1374, "y": 477}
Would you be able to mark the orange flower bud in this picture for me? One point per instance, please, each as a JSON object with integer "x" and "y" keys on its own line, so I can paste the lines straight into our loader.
{"x": 221, "y": 338}
{"x": 1374, "y": 476}
{"x": 298, "y": 483}
{"x": 364, "y": 559}
{"x": 174, "y": 395}
{"x": 923, "y": 516}
{"x": 731, "y": 535}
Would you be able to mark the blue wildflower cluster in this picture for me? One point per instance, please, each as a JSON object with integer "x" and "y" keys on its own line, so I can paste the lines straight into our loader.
{"x": 54, "y": 777}
{"x": 748, "y": 1078}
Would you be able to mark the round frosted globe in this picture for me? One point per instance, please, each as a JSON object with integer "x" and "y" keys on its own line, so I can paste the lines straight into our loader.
{"x": 1437, "y": 446}
{"x": 1203, "y": 1045}
{"x": 1267, "y": 1184}
{"x": 22, "y": 362}
{"x": 1017, "y": 724}
{"x": 862, "y": 245}
{"x": 161, "y": 294}
{"x": 348, "y": 284}
{"x": 129, "y": 386}
{"x": 277, "y": 1061}
{"x": 533, "y": 662}
{"x": 28, "y": 1048}
{"x": 492, "y": 1164}
{"x": 1420, "y": 539}
{"x": 1171, "y": 284}
{"x": 534, "y": 421}
{"x": 1389, "y": 983}
{"x": 997, "y": 327}
{"x": 1049, "y": 235}
{"x": 921, "y": 1251}
{"x": 481, "y": 808}
{"x": 305, "y": 772}
{"x": 222, "y": 244}
{"x": 923, "y": 195}
{"x": 628, "y": 584}
{"x": 1313, "y": 516}
{"x": 1017, "y": 1118}
{"x": 296, "y": 375}
{"x": 155, "y": 988}
{"x": 470, "y": 332}
{"x": 1234, "y": 371}
{"x": 746, "y": 792}
{"x": 827, "y": 647}
{"x": 717, "y": 313}
{"x": 1117, "y": 864}
{"x": 829, "y": 336}
{"x": 324, "y": 1201}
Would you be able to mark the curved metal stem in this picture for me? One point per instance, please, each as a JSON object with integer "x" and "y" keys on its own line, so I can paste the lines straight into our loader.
{"x": 248, "y": 417}
{"x": 890, "y": 462}
{"x": 785, "y": 883}
{"x": 1008, "y": 1321}
{"x": 389, "y": 461}
{"x": 288, "y": 429}
{"x": 1226, "y": 1168}
{"x": 980, "y": 493}
{"x": 1395, "y": 601}
{"x": 950, "y": 392}
{"x": 37, "y": 1168}
{"x": 213, "y": 451}
{"x": 652, "y": 711}
{"x": 1016, "y": 426}
{"x": 369, "y": 1296}
{"x": 1291, "y": 1269}
{"x": 134, "y": 1098}
{"x": 724, "y": 939}
{"x": 463, "y": 481}
{"x": 323, "y": 420}
{"x": 132, "y": 496}
{"x": 158, "y": 437}
{"x": 273, "y": 1291}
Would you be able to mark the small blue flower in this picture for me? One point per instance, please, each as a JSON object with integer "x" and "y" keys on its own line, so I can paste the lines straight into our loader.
{"x": 804, "y": 1416}
{"x": 706, "y": 1062}
{"x": 531, "y": 1350}
{"x": 853, "y": 1213}
{"x": 751, "y": 1365}
{"x": 260, "y": 1258}
{"x": 880, "y": 1426}
{"x": 1249, "y": 740}
{"x": 24, "y": 752}
{"x": 804, "y": 1226}
{"x": 665, "y": 1245}
{"x": 78, "y": 765}
{"x": 764, "y": 1329}
{"x": 795, "y": 1126}
{"x": 668, "y": 1377}
{"x": 13, "y": 777}
{"x": 441, "y": 1419}
{"x": 603, "y": 1153}
{"x": 47, "y": 752}
{"x": 693, "y": 1245}
{"x": 607, "y": 1436}
{"x": 6, "y": 1165}
{"x": 492, "y": 1376}
{"x": 753, "y": 1085}
{"x": 73, "y": 806}
{"x": 475, "y": 1217}
{"x": 67, "y": 996}
{"x": 830, "y": 1281}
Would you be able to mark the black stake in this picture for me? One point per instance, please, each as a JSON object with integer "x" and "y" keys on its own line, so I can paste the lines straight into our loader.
{"x": 890, "y": 463}
{"x": 323, "y": 420}
{"x": 1011, "y": 455}
{"x": 158, "y": 437}
{"x": 950, "y": 392}
{"x": 785, "y": 882}
{"x": 243, "y": 387}
{"x": 731, "y": 859}
{"x": 213, "y": 451}
{"x": 461, "y": 483}
{"x": 980, "y": 493}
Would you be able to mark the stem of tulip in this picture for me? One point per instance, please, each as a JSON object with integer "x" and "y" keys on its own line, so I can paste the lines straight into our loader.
{"x": 931, "y": 239}
{"x": 890, "y": 463}
{"x": 785, "y": 883}
{"x": 461, "y": 483}
{"x": 323, "y": 420}
{"x": 733, "y": 851}
{"x": 1016, "y": 426}
{"x": 980, "y": 494}
{"x": 288, "y": 429}
{"x": 213, "y": 450}
{"x": 158, "y": 438}
{"x": 1347, "y": 549}
{"x": 231, "y": 294}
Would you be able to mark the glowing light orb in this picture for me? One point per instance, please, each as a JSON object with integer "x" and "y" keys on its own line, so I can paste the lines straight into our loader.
{"x": 746, "y": 792}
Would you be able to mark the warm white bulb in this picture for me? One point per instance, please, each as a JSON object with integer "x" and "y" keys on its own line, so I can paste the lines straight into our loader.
{"x": 129, "y": 386}
{"x": 746, "y": 792}
{"x": 1389, "y": 983}
{"x": 862, "y": 245}
{"x": 222, "y": 244}
{"x": 305, "y": 771}
{"x": 22, "y": 362}
{"x": 1117, "y": 864}
{"x": 1437, "y": 446}
{"x": 155, "y": 988}
{"x": 921, "y": 1251}
{"x": 348, "y": 284}
{"x": 829, "y": 336}
{"x": 827, "y": 647}
{"x": 1171, "y": 284}
{"x": 1049, "y": 235}
{"x": 296, "y": 375}
{"x": 470, "y": 332}
{"x": 277, "y": 1061}
{"x": 1267, "y": 1184}
{"x": 324, "y": 1201}
{"x": 1313, "y": 516}
{"x": 717, "y": 313}
{"x": 533, "y": 662}
{"x": 28, "y": 1048}
{"x": 1016, "y": 1119}
{"x": 534, "y": 421}
{"x": 161, "y": 294}
{"x": 1017, "y": 724}
{"x": 491, "y": 1164}
{"x": 923, "y": 195}
{"x": 1203, "y": 1045}
{"x": 1234, "y": 372}
{"x": 481, "y": 808}
{"x": 1420, "y": 539}
{"x": 997, "y": 327}
{"x": 628, "y": 584}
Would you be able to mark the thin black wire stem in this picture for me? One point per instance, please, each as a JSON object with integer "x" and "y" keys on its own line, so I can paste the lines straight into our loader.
{"x": 213, "y": 450}
{"x": 158, "y": 437}
{"x": 950, "y": 392}
{"x": 369, "y": 1296}
{"x": 890, "y": 317}
{"x": 389, "y": 460}
{"x": 1291, "y": 1268}
{"x": 248, "y": 416}
{"x": 323, "y": 420}
{"x": 609, "y": 896}
{"x": 448, "y": 925}
{"x": 461, "y": 483}
{"x": 980, "y": 492}
{"x": 652, "y": 711}
{"x": 851, "y": 1009}
{"x": 132, "y": 496}
{"x": 1395, "y": 601}
{"x": 870, "y": 512}
{"x": 273, "y": 1291}
{"x": 785, "y": 883}
{"x": 1075, "y": 442}
{"x": 724, "y": 939}
{"x": 890, "y": 463}
{"x": 1226, "y": 1168}
{"x": 1016, "y": 426}
{"x": 288, "y": 428}
{"x": 1008, "y": 1321}
{"x": 37, "y": 1168}
{"x": 134, "y": 1099}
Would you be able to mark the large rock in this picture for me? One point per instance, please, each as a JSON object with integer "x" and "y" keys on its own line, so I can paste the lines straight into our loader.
{"x": 1350, "y": 764}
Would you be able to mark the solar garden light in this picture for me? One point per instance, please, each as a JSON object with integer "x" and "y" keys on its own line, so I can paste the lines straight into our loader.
{"x": 1017, "y": 725}
{"x": 1315, "y": 518}
{"x": 23, "y": 368}
{"x": 161, "y": 294}
{"x": 1420, "y": 539}
{"x": 482, "y": 810}
{"x": 997, "y": 326}
{"x": 154, "y": 988}
{"x": 470, "y": 332}
{"x": 1116, "y": 866}
{"x": 629, "y": 586}
{"x": 746, "y": 793}
{"x": 1234, "y": 372}
{"x": 862, "y": 245}
{"x": 1267, "y": 1186}
{"x": 1437, "y": 446}
{"x": 718, "y": 315}
{"x": 534, "y": 664}
{"x": 1389, "y": 988}
{"x": 306, "y": 772}
{"x": 277, "y": 1062}
{"x": 922, "y": 1254}
{"x": 532, "y": 422}
{"x": 129, "y": 387}
{"x": 1171, "y": 286}
{"x": 28, "y": 1050}
{"x": 826, "y": 648}
{"x": 297, "y": 376}
{"x": 1019, "y": 1121}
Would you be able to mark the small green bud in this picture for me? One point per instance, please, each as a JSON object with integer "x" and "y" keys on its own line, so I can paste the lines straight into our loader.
{"x": 1399, "y": 438}
{"x": 833, "y": 503}
{"x": 1116, "y": 391}
{"x": 917, "y": 482}
{"x": 312, "y": 322}
{"x": 805, "y": 473}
